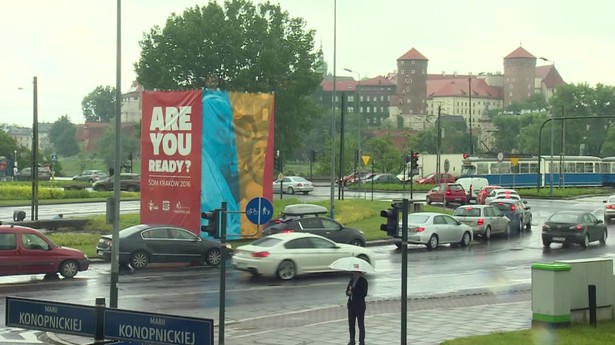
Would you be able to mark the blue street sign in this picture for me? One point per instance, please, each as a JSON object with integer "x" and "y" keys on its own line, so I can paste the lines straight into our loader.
{"x": 50, "y": 316}
{"x": 159, "y": 329}
{"x": 259, "y": 210}
{"x": 54, "y": 157}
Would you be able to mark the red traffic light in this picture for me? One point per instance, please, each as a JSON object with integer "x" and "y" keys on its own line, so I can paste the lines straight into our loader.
{"x": 465, "y": 155}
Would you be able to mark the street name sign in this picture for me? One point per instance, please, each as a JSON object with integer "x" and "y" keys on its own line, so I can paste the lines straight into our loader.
{"x": 157, "y": 329}
{"x": 50, "y": 316}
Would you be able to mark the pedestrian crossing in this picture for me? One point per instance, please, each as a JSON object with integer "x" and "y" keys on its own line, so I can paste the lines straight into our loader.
{"x": 19, "y": 336}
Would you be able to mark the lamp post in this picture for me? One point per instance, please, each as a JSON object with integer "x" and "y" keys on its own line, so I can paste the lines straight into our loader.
{"x": 34, "y": 170}
{"x": 470, "y": 112}
{"x": 332, "y": 191}
{"x": 552, "y": 132}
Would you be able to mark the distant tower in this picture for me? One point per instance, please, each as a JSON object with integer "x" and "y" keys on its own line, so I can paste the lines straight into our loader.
{"x": 519, "y": 74}
{"x": 321, "y": 64}
{"x": 412, "y": 83}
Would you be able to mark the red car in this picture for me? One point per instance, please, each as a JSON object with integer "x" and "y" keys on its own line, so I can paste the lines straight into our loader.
{"x": 451, "y": 192}
{"x": 27, "y": 251}
{"x": 480, "y": 197}
{"x": 435, "y": 178}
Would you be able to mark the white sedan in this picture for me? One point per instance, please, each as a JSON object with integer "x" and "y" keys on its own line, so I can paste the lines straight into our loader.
{"x": 433, "y": 229}
{"x": 292, "y": 184}
{"x": 287, "y": 255}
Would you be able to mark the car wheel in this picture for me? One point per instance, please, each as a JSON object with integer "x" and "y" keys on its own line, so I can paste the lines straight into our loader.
{"x": 606, "y": 220}
{"x": 213, "y": 257}
{"x": 521, "y": 225}
{"x": 487, "y": 234}
{"x": 91, "y": 181}
{"x": 507, "y": 230}
{"x": 546, "y": 243}
{"x": 466, "y": 239}
{"x": 603, "y": 238}
{"x": 585, "y": 243}
{"x": 428, "y": 200}
{"x": 528, "y": 226}
{"x": 357, "y": 242}
{"x": 432, "y": 243}
{"x": 290, "y": 190}
{"x": 69, "y": 268}
{"x": 363, "y": 257}
{"x": 139, "y": 260}
{"x": 287, "y": 270}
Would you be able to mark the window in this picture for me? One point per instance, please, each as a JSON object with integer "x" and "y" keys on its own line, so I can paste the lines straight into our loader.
{"x": 34, "y": 242}
{"x": 301, "y": 243}
{"x": 8, "y": 241}
{"x": 321, "y": 243}
{"x": 310, "y": 223}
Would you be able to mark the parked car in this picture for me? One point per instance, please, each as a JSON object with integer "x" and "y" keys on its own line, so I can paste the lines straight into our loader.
{"x": 143, "y": 244}
{"x": 433, "y": 229}
{"x": 319, "y": 225}
{"x": 25, "y": 174}
{"x": 472, "y": 186}
{"x": 382, "y": 178}
{"x": 90, "y": 176}
{"x": 447, "y": 193}
{"x": 485, "y": 220}
{"x": 288, "y": 255}
{"x": 436, "y": 179}
{"x": 484, "y": 192}
{"x": 517, "y": 211}
{"x": 292, "y": 184}
{"x": 28, "y": 251}
{"x": 609, "y": 209}
{"x": 502, "y": 194}
{"x": 128, "y": 182}
{"x": 568, "y": 227}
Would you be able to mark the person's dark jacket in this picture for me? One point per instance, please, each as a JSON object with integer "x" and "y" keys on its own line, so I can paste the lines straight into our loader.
{"x": 356, "y": 300}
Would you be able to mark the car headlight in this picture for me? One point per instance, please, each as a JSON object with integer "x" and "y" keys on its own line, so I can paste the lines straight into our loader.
{"x": 228, "y": 246}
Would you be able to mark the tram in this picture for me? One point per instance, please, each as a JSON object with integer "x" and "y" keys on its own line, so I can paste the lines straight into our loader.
{"x": 561, "y": 171}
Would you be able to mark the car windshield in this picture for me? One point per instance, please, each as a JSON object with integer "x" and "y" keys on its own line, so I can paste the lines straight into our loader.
{"x": 429, "y": 176}
{"x": 417, "y": 218}
{"x": 503, "y": 206}
{"x": 266, "y": 242}
{"x": 300, "y": 179}
{"x": 455, "y": 187}
{"x": 611, "y": 200}
{"x": 467, "y": 212}
{"x": 563, "y": 218}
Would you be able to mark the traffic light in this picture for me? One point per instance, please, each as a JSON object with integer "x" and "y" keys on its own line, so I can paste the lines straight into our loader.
{"x": 414, "y": 163}
{"x": 313, "y": 156}
{"x": 392, "y": 224}
{"x": 212, "y": 226}
{"x": 465, "y": 155}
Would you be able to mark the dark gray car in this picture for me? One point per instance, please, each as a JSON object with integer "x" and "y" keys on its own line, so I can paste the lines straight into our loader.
{"x": 323, "y": 226}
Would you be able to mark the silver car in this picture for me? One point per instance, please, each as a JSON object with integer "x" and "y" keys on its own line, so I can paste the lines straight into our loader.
{"x": 292, "y": 185}
{"x": 609, "y": 209}
{"x": 485, "y": 220}
{"x": 433, "y": 229}
{"x": 90, "y": 176}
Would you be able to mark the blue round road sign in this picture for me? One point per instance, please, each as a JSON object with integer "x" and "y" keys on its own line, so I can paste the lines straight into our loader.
{"x": 259, "y": 210}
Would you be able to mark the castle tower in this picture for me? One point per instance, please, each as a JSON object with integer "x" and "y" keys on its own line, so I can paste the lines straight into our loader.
{"x": 411, "y": 91}
{"x": 519, "y": 74}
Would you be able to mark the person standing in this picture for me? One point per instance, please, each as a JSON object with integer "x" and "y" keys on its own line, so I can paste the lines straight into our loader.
{"x": 356, "y": 292}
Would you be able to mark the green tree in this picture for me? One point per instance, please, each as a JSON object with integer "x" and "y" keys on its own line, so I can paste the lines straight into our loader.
{"x": 99, "y": 105}
{"x": 106, "y": 148}
{"x": 239, "y": 47}
{"x": 386, "y": 157}
{"x": 63, "y": 136}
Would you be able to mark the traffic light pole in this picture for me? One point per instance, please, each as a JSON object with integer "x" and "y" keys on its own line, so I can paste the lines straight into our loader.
{"x": 222, "y": 217}
{"x": 404, "y": 271}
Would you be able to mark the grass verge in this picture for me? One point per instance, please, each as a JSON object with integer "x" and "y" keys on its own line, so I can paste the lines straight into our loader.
{"x": 575, "y": 335}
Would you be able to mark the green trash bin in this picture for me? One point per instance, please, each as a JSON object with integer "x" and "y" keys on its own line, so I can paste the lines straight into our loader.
{"x": 551, "y": 295}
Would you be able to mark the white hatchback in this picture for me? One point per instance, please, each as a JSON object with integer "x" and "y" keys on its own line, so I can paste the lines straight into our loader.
{"x": 501, "y": 194}
{"x": 287, "y": 255}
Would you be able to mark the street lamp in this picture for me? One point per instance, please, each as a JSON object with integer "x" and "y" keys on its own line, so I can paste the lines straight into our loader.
{"x": 470, "y": 111}
{"x": 358, "y": 107}
{"x": 332, "y": 191}
{"x": 552, "y": 130}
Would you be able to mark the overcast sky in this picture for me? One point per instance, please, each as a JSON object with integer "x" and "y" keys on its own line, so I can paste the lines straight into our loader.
{"x": 70, "y": 44}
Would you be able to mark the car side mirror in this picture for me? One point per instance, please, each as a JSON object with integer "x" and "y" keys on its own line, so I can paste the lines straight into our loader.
{"x": 528, "y": 208}
{"x": 599, "y": 221}
{"x": 604, "y": 201}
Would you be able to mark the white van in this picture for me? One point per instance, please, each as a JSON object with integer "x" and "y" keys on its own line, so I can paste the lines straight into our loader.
{"x": 472, "y": 186}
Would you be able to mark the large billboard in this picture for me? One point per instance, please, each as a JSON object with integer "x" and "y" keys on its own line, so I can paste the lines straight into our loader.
{"x": 200, "y": 148}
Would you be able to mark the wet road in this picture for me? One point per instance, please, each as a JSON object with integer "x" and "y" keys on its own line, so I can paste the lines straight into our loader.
{"x": 498, "y": 265}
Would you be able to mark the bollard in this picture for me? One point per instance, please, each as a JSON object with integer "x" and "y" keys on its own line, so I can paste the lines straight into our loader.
{"x": 591, "y": 294}
{"x": 99, "y": 337}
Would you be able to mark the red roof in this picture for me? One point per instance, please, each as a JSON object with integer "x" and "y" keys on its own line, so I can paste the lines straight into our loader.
{"x": 412, "y": 54}
{"x": 459, "y": 87}
{"x": 550, "y": 76}
{"x": 378, "y": 81}
{"x": 340, "y": 85}
{"x": 520, "y": 53}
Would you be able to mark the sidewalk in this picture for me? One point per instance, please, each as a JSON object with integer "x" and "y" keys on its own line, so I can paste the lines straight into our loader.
{"x": 430, "y": 321}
